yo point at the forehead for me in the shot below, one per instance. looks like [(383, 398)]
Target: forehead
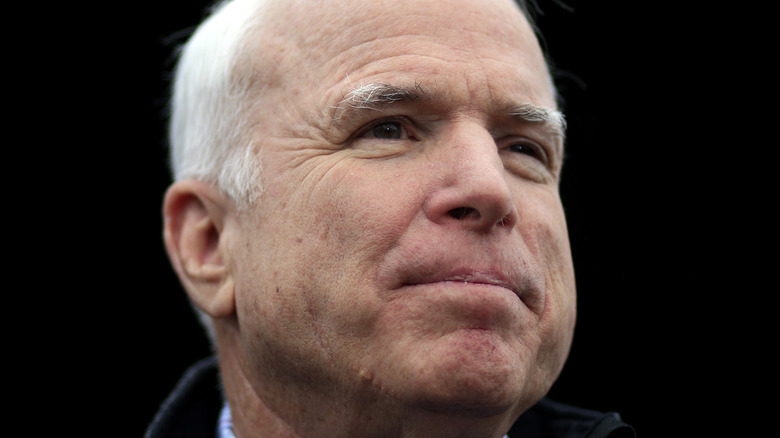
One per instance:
[(337, 43), (308, 20)]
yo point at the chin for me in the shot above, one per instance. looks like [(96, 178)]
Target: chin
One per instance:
[(475, 399), (475, 373)]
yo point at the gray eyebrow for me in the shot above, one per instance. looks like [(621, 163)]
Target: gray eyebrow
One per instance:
[(531, 113), (376, 95)]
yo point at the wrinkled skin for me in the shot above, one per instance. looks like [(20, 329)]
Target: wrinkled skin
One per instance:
[(403, 265)]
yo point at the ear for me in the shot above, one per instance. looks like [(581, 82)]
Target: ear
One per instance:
[(195, 215)]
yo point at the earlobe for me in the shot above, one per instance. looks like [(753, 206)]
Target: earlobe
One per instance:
[(195, 216)]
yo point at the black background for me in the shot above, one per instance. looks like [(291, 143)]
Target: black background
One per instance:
[(652, 189)]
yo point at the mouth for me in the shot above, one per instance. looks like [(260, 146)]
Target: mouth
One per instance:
[(525, 288), (483, 299), (486, 277), (489, 278)]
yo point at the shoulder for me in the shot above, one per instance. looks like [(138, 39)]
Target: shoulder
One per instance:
[(192, 408), (549, 419)]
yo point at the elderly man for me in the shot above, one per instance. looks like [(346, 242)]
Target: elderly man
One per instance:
[(366, 214)]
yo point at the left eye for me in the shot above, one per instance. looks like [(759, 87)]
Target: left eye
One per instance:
[(524, 149), (386, 130)]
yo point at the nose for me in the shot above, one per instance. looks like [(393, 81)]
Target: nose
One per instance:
[(473, 191)]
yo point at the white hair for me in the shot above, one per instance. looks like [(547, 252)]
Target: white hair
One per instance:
[(209, 135), (210, 105)]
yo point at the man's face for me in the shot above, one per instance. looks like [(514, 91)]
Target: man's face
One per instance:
[(408, 245)]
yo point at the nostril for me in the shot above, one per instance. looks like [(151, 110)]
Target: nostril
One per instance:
[(463, 212)]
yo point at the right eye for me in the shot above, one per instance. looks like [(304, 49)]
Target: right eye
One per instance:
[(386, 130)]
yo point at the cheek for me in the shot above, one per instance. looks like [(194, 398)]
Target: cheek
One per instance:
[(547, 239), (356, 220), (543, 229), (318, 256), (363, 211)]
